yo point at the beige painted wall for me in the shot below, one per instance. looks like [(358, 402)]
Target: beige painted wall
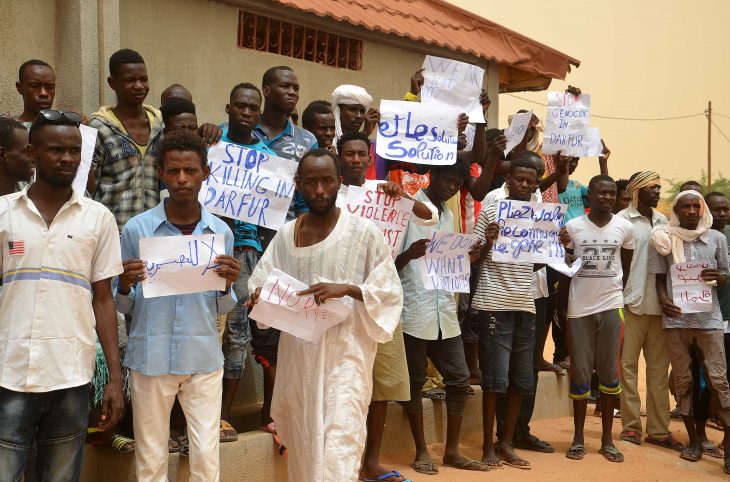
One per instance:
[(28, 31)]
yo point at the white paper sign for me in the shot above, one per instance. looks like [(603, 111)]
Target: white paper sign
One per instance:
[(88, 143), (567, 126), (517, 130), (248, 185), (279, 307), (178, 265), (529, 232), (391, 214), (453, 84), (446, 265), (689, 292), (417, 132), (595, 146), (568, 271)]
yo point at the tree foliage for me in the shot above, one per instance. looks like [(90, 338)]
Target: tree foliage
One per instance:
[(719, 183)]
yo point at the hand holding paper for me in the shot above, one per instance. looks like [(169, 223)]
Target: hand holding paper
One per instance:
[(690, 291)]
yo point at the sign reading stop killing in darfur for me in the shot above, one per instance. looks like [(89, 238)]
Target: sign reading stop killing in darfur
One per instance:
[(453, 84), (567, 126), (529, 232), (248, 185), (417, 132), (389, 213)]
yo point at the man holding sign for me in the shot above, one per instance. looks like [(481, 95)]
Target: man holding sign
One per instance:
[(322, 392), (688, 243), (173, 342)]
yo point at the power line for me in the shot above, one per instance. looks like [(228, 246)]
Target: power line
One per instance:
[(720, 130), (721, 115), (650, 119)]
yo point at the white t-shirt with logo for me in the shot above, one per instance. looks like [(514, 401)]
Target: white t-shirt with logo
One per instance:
[(598, 286)]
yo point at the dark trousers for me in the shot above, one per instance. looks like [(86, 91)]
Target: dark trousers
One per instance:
[(527, 407), (448, 358), (558, 331)]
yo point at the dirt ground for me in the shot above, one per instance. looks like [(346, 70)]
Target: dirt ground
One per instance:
[(646, 462)]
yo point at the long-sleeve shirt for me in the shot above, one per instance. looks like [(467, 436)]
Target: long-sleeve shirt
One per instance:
[(176, 334)]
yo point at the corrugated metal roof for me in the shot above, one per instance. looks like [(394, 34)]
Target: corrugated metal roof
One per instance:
[(439, 23)]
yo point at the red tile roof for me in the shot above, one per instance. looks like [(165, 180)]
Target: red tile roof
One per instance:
[(437, 22)]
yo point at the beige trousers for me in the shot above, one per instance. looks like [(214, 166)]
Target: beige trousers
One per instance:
[(152, 399), (644, 332)]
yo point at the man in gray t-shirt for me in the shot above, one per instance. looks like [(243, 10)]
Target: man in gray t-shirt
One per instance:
[(688, 238)]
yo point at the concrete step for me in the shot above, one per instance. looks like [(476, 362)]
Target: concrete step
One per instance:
[(253, 457)]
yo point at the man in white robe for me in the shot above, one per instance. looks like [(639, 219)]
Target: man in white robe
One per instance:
[(323, 390)]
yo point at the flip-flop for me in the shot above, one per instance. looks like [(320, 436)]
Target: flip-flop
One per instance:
[(691, 453), (172, 446), (631, 436), (117, 443), (611, 453), (494, 463), (669, 442), (428, 468), (576, 452), (384, 477), (482, 467), (513, 462), (435, 394), (228, 433), (711, 450)]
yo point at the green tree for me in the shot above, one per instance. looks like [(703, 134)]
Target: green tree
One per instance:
[(719, 183)]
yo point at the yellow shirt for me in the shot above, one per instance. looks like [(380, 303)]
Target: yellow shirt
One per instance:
[(141, 147)]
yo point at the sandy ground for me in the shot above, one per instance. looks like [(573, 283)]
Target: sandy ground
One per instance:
[(645, 462)]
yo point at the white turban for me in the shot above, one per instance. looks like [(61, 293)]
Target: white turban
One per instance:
[(348, 95), (671, 238)]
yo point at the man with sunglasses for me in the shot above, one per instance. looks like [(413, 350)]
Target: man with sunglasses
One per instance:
[(58, 254)]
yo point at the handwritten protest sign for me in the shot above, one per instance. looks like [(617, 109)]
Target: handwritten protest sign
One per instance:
[(517, 130), (446, 265), (280, 307), (391, 214), (567, 124), (689, 292), (248, 185), (88, 143), (178, 265), (451, 83), (417, 132), (528, 232)]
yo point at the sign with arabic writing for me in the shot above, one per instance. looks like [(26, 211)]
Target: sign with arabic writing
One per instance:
[(181, 264), (689, 292)]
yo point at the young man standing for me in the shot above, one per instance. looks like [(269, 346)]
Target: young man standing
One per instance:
[(431, 327), (16, 164), (60, 252), (173, 342), (643, 323), (37, 85), (322, 393), (605, 243), (507, 324), (124, 177), (318, 119), (689, 238)]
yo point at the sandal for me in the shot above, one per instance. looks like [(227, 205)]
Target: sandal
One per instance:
[(492, 463), (428, 468), (533, 444), (711, 450), (435, 394), (172, 446), (631, 436), (516, 462), (119, 442), (668, 442), (474, 465), (691, 453), (384, 477), (611, 453), (184, 443), (271, 428), (576, 452), (228, 433)]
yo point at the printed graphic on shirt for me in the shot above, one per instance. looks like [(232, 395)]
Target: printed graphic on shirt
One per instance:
[(16, 248), (599, 258)]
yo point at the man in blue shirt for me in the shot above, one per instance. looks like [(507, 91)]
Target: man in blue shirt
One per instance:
[(173, 342), (244, 111)]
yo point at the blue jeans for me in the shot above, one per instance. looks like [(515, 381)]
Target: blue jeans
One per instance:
[(238, 333), (57, 420)]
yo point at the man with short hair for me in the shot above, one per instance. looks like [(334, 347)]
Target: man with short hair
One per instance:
[(605, 243), (318, 119), (179, 114), (174, 348), (688, 237), (691, 186), (59, 254), (320, 400), (623, 198), (37, 85), (16, 164), (643, 323), (431, 326), (175, 91)]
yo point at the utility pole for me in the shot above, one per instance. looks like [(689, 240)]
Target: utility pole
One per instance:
[(709, 145)]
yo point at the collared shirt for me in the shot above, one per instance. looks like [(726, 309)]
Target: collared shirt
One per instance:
[(291, 143), (176, 334), (426, 312), (246, 234), (127, 180), (47, 324), (640, 292), (711, 248)]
